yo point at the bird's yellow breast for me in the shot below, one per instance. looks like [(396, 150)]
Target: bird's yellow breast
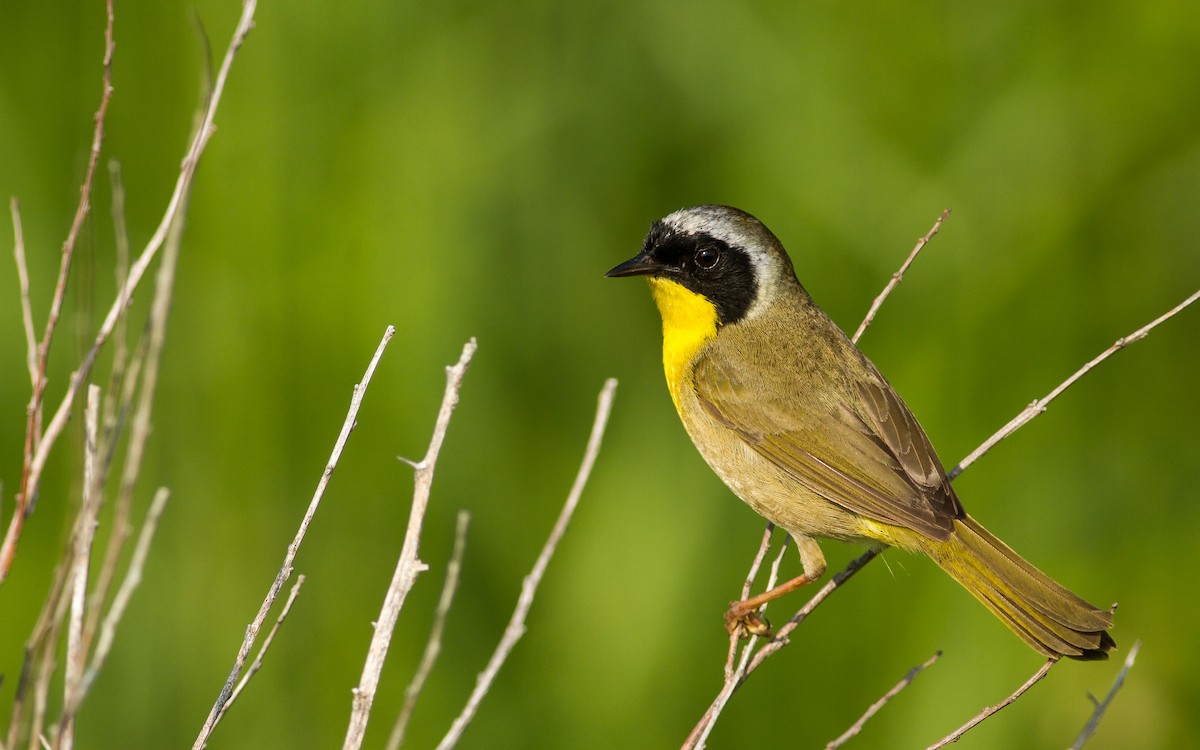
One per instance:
[(689, 320)]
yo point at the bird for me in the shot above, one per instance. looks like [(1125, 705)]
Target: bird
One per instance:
[(801, 426)]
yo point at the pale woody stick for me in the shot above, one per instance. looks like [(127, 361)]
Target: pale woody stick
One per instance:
[(516, 624), (409, 566), (285, 571)]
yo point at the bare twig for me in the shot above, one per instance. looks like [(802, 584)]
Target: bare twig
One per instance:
[(781, 635), (133, 577), (735, 674), (874, 707), (1039, 405), (409, 566), (81, 554), (285, 571), (23, 282), (121, 254), (897, 277), (516, 624), (148, 361), (44, 632), (759, 556), (696, 738), (33, 437), (31, 475), (433, 646), (1101, 706), (985, 713), (262, 651)]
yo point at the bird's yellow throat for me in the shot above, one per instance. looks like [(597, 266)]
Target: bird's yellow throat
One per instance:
[(689, 320)]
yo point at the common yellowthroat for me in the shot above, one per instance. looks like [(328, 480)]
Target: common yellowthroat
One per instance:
[(803, 428)]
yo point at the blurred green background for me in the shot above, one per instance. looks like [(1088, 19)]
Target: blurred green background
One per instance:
[(471, 169)]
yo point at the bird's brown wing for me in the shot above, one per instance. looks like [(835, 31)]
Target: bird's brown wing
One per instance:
[(879, 465)]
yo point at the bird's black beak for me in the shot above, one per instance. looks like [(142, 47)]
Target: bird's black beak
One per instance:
[(640, 265)]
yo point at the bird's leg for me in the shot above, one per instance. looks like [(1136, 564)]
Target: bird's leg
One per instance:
[(742, 617)]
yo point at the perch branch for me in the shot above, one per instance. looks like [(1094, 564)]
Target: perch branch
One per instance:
[(735, 681)]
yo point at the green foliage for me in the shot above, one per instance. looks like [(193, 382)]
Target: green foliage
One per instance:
[(472, 169)]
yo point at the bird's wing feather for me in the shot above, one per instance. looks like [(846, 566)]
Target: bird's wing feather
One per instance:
[(880, 465)]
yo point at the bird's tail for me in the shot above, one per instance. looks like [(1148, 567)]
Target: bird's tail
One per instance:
[(1046, 615)]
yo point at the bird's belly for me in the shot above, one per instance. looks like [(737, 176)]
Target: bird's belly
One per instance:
[(773, 493)]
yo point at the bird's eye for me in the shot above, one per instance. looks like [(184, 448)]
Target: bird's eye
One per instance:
[(707, 257)]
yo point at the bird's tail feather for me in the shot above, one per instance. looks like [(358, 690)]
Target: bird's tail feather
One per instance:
[(1046, 615)]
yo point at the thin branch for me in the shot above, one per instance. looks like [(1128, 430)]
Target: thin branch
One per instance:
[(32, 474), (734, 675), (133, 577), (32, 433), (874, 707), (516, 624), (700, 732), (31, 345), (1090, 728), (149, 359), (763, 547), (957, 734), (897, 277), (409, 566), (285, 571), (262, 651), (44, 631), (120, 359), (81, 554), (781, 636), (1039, 405), (433, 646)]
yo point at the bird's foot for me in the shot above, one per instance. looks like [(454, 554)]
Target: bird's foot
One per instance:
[(743, 621)]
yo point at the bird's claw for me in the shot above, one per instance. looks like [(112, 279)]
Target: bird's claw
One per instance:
[(744, 622)]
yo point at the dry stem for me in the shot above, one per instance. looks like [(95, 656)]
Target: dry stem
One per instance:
[(985, 713), (1101, 706), (897, 277), (516, 624), (23, 282), (409, 566), (285, 571), (1039, 405), (133, 577), (433, 646), (38, 447), (33, 437), (857, 726), (81, 553), (262, 651)]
